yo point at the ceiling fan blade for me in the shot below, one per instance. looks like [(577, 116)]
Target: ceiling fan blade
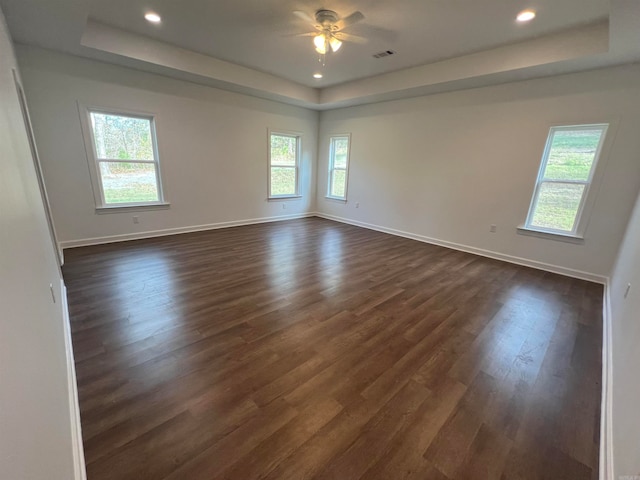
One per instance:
[(308, 34), (304, 16), (355, 17), (350, 38)]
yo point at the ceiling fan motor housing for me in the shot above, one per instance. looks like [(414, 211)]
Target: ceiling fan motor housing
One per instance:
[(326, 18)]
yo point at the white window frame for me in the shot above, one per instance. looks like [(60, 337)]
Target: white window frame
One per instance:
[(94, 161), (298, 137), (332, 167), (580, 219)]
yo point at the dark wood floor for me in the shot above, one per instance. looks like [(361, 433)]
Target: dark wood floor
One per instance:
[(313, 349)]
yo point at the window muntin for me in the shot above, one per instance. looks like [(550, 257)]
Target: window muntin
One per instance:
[(284, 160), (338, 166), (126, 158), (566, 171)]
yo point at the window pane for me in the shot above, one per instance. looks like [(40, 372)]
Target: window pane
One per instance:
[(572, 154), (557, 205), (283, 181), (340, 150), (129, 182), (338, 183), (122, 138), (283, 150)]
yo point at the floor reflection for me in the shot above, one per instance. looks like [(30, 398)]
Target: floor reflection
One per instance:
[(282, 271), (330, 258), (143, 282)]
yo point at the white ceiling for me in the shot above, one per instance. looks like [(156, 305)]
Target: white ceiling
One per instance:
[(248, 45), (256, 33)]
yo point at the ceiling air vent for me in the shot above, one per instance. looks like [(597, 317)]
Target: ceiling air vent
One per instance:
[(386, 53)]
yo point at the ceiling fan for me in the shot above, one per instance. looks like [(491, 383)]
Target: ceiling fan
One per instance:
[(329, 35)]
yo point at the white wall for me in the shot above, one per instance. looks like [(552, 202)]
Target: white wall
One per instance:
[(625, 323), (448, 166), (35, 423), (212, 146)]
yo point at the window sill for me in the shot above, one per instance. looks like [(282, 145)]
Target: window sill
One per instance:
[(284, 197), (336, 199), (561, 237), (132, 208)]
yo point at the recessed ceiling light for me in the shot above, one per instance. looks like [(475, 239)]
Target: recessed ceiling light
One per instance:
[(153, 17), (526, 15), (317, 75)]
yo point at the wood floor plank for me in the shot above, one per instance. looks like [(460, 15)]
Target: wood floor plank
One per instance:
[(210, 462), (260, 461), (314, 349), (376, 434), (452, 445), (403, 459)]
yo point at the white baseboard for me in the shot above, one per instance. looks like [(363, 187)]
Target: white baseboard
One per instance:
[(569, 272), (80, 472), (606, 412), (174, 231)]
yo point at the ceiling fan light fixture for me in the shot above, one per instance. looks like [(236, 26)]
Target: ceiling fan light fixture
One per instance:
[(328, 36), (335, 44), (320, 41)]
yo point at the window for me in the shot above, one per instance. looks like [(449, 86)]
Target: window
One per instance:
[(338, 166), (126, 170), (284, 160), (569, 160)]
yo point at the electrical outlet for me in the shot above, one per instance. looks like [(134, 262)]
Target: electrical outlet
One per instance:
[(284, 206), (136, 219), (357, 204), (493, 228)]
